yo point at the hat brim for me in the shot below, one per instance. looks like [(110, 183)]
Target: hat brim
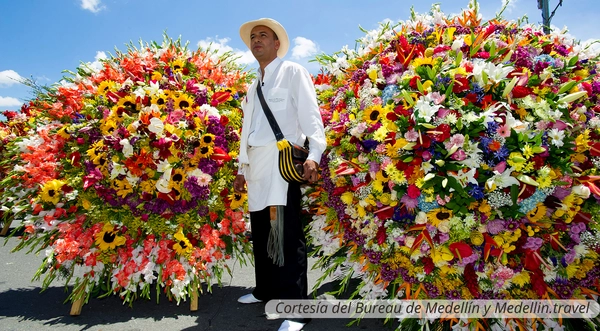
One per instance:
[(284, 42)]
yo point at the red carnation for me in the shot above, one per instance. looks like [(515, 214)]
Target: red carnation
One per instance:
[(471, 280), (428, 265), (521, 91)]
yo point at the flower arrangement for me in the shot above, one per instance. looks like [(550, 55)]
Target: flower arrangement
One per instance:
[(463, 163), (122, 172)]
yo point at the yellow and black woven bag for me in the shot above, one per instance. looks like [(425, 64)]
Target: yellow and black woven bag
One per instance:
[(291, 156)]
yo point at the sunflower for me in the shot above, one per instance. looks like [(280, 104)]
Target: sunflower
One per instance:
[(373, 114), (148, 186), (537, 213), (51, 191), (122, 186), (436, 216), (160, 100), (382, 176), (177, 178), (237, 200), (207, 139), (184, 102), (204, 151), (178, 65), (96, 149), (423, 61), (106, 86), (108, 127), (108, 238), (100, 160), (182, 245), (127, 102)]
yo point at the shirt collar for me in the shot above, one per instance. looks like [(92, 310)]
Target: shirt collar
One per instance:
[(270, 68)]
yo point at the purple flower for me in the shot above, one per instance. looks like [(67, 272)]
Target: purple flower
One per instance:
[(533, 243), (494, 227)]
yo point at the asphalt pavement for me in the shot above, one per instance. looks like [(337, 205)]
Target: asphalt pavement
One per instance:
[(24, 307)]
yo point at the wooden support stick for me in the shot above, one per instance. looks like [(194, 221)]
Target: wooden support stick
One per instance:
[(76, 306), (6, 225), (194, 300), (5, 228)]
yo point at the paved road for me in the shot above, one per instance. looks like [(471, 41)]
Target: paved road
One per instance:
[(23, 307)]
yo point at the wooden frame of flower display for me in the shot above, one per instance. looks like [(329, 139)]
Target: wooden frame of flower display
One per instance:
[(462, 163), (123, 171)]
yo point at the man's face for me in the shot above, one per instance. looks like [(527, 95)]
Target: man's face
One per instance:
[(263, 44)]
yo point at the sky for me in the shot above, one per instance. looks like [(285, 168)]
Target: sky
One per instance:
[(41, 38)]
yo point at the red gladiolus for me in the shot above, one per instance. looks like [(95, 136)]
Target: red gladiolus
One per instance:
[(381, 235)]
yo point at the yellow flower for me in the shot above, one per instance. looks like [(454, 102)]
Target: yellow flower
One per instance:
[(156, 75), (122, 186), (347, 198), (184, 102), (86, 204), (51, 191), (380, 134), (582, 141), (527, 151), (204, 151), (438, 215), (182, 245), (377, 186), (178, 177), (108, 238), (521, 279), (423, 61), (373, 114), (396, 175), (476, 238), (127, 102), (382, 176), (159, 99), (148, 186), (108, 127), (207, 139), (106, 86), (237, 200), (516, 160), (178, 65), (537, 213)]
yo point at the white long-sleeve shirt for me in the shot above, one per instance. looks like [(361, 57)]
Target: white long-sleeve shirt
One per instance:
[(289, 91)]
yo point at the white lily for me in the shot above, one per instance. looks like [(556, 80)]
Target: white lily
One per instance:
[(117, 169), (156, 126), (127, 148), (502, 180)]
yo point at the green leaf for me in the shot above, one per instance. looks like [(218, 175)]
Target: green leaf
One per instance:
[(514, 193), (573, 61), (459, 56), (567, 87)]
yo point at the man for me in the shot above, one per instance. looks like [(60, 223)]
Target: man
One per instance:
[(289, 92)]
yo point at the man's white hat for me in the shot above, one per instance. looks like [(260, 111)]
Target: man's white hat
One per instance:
[(284, 42)]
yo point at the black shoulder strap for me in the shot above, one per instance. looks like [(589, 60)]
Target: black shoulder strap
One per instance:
[(272, 122)]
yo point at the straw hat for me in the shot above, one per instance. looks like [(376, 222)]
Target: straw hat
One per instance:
[(284, 42)]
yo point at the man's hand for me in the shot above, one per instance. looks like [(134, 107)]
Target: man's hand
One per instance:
[(239, 184), (311, 171)]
